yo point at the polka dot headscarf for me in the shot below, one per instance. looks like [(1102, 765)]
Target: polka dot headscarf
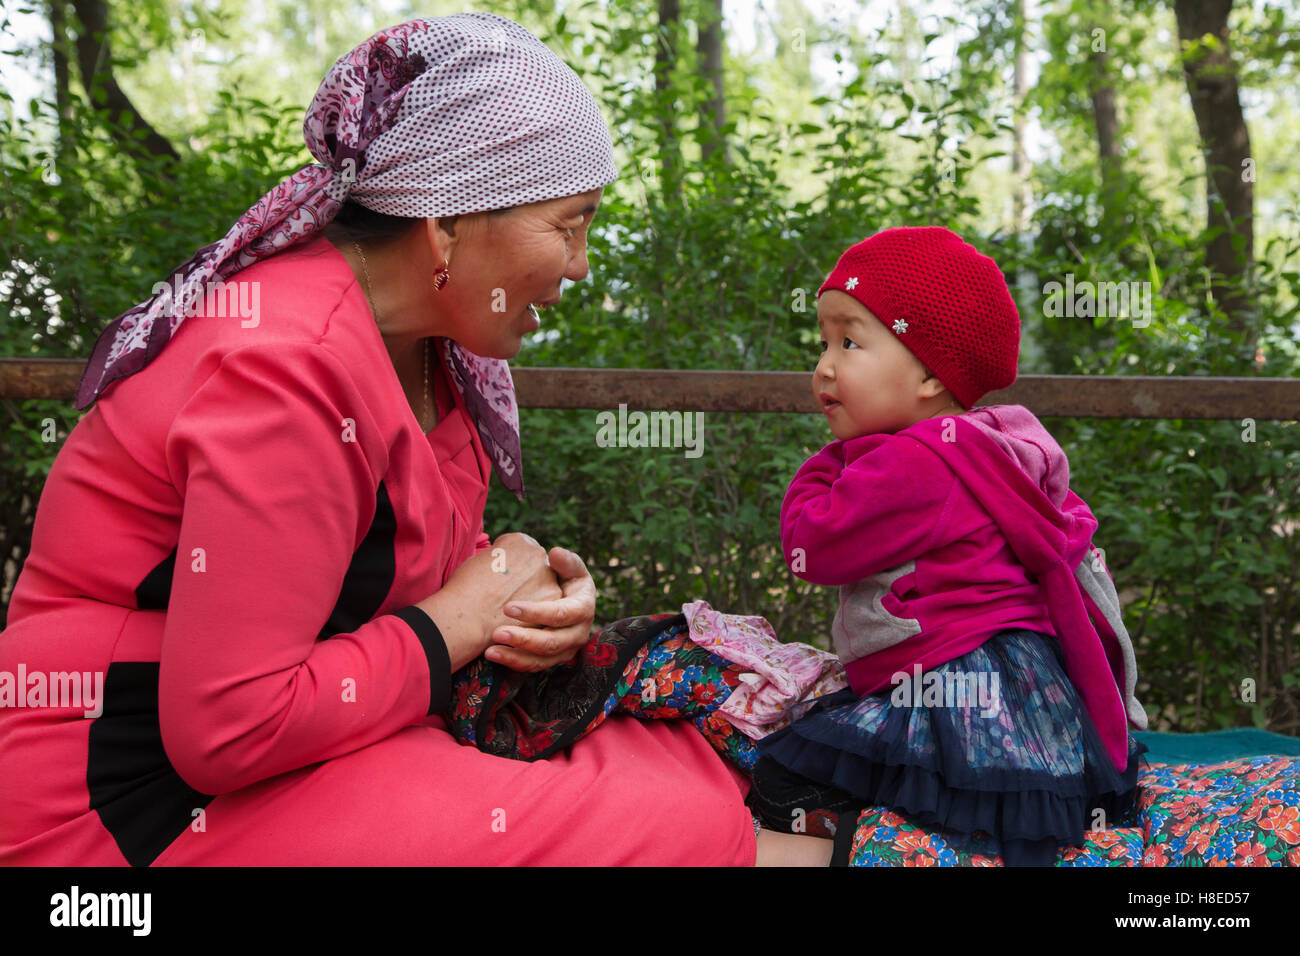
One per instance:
[(441, 116)]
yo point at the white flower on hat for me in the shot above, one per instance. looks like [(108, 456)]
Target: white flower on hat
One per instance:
[(900, 326), (852, 283)]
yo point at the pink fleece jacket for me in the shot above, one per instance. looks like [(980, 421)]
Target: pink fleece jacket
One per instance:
[(948, 531)]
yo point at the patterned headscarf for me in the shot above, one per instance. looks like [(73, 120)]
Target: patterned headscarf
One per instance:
[(440, 116)]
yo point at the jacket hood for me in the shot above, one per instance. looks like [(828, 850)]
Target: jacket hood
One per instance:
[(1021, 478), (1018, 432)]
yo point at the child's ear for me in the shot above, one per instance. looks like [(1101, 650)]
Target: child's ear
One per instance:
[(930, 386)]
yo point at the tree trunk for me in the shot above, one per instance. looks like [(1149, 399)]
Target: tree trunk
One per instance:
[(58, 10), (1106, 120), (1025, 279), (713, 111), (1101, 89), (670, 159), (1230, 192), (1019, 161), (95, 60)]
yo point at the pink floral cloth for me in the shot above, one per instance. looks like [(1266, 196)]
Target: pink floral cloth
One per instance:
[(784, 679)]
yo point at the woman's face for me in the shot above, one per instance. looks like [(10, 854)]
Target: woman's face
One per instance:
[(502, 263)]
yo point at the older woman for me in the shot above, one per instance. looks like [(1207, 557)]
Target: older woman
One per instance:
[(267, 535)]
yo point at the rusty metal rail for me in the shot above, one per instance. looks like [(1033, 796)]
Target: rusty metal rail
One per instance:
[(1073, 396)]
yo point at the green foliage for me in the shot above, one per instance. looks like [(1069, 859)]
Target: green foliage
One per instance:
[(88, 230), (722, 275), (714, 264)]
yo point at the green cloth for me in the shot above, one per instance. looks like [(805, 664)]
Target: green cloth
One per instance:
[(1216, 746)]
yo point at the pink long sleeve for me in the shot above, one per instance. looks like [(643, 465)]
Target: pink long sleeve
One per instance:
[(860, 506), (276, 499), (231, 660)]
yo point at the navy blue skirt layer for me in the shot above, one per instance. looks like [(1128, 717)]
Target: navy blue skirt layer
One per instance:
[(995, 741)]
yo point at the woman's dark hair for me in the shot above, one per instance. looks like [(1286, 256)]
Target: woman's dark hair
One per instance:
[(355, 223)]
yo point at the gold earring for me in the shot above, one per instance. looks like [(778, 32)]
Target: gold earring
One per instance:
[(441, 275)]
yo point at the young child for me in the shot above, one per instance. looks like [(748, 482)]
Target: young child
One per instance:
[(990, 676)]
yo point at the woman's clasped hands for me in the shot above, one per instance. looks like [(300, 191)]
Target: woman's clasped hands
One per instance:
[(516, 604)]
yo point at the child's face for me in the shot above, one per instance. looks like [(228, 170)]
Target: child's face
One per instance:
[(866, 381)]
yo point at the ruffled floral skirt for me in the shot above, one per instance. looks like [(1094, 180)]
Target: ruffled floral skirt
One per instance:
[(993, 743)]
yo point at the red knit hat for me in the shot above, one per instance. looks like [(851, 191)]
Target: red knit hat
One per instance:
[(943, 299)]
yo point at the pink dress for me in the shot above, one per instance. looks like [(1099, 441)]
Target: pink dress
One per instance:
[(230, 544)]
